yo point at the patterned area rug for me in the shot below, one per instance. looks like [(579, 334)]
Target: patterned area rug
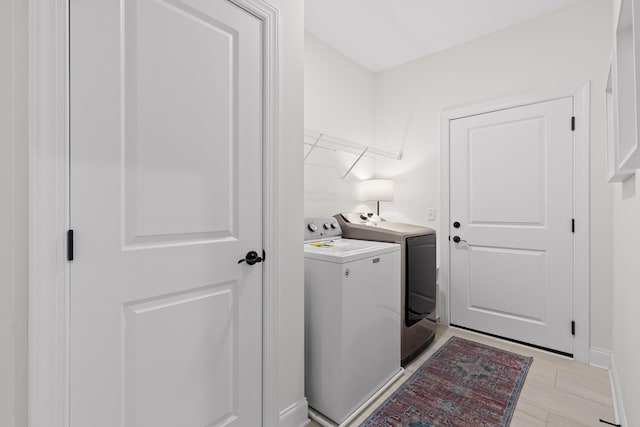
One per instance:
[(463, 384)]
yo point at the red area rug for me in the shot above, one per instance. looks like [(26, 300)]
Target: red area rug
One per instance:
[(464, 383)]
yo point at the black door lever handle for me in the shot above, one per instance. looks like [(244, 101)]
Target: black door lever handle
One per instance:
[(251, 258)]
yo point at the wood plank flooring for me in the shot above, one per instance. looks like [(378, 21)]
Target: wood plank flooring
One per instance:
[(557, 392)]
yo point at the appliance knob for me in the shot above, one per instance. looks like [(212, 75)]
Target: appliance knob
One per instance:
[(363, 216), (312, 227), (333, 226), (325, 226)]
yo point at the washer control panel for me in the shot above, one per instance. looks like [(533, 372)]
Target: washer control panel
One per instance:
[(321, 228)]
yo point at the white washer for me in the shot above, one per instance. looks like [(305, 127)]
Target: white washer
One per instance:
[(352, 320)]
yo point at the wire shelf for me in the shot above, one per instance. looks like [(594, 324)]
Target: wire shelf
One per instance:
[(323, 141)]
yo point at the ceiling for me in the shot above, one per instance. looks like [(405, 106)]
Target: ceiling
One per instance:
[(382, 34)]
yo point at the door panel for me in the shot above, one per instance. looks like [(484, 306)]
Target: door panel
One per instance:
[(166, 196), (180, 127), (512, 192), (493, 290), (520, 147), (196, 329)]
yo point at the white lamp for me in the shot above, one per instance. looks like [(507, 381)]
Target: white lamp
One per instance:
[(380, 190)]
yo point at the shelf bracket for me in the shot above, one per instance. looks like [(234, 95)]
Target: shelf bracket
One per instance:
[(315, 144), (355, 163)]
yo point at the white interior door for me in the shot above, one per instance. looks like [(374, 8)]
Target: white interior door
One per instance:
[(511, 191), (166, 197)]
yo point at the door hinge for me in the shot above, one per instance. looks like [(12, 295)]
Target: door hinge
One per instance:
[(573, 225), (69, 245), (264, 256), (573, 327), (449, 238), (573, 123)]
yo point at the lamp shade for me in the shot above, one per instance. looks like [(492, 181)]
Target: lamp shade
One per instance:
[(377, 189)]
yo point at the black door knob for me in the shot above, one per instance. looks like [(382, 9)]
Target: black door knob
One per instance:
[(251, 258), (456, 224), (456, 239)]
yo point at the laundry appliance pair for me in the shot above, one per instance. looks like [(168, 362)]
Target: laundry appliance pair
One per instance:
[(418, 273), (369, 293)]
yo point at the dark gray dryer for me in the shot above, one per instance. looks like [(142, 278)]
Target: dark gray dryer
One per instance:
[(418, 276)]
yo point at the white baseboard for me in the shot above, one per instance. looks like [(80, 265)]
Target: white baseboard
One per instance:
[(599, 358), (618, 406), (296, 415)]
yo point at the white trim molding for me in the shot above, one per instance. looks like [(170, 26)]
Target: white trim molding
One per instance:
[(581, 245), (47, 365), (599, 358), (270, 324), (48, 388), (616, 393), (295, 415), (444, 279), (581, 304)]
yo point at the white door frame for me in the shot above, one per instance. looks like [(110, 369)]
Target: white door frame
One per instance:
[(48, 364), (581, 277)]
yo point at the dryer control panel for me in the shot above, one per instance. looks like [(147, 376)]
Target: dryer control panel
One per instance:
[(365, 218), (321, 229)]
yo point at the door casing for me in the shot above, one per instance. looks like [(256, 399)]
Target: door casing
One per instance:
[(48, 364), (581, 303)]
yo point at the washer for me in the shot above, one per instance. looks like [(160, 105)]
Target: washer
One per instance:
[(352, 321)]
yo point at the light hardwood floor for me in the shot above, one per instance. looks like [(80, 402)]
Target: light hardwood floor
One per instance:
[(557, 392)]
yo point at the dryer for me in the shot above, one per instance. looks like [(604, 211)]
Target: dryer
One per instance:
[(418, 276), (352, 321)]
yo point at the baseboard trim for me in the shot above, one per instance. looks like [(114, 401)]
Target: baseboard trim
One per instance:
[(296, 415), (616, 393), (599, 358)]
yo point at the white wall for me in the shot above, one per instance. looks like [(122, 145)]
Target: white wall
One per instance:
[(290, 171), (339, 99), (13, 208), (563, 48), (626, 289), (626, 293)]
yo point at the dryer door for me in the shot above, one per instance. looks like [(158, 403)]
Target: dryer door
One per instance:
[(421, 278)]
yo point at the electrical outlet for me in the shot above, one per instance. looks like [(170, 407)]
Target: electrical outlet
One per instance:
[(431, 214)]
